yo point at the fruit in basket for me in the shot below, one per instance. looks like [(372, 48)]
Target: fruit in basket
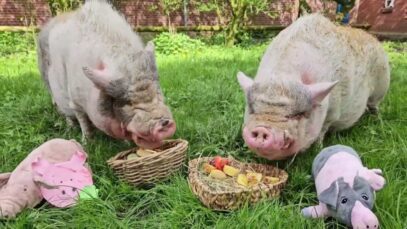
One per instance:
[(207, 168), (242, 180), (253, 178), (132, 156), (230, 170), (144, 152), (217, 174), (270, 180), (219, 162)]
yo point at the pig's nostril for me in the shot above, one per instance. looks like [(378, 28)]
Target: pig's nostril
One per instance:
[(265, 136), (367, 226), (255, 134), (165, 123)]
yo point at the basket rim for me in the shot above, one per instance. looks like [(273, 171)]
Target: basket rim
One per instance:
[(116, 160), (193, 176)]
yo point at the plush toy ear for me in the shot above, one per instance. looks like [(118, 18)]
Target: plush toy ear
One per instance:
[(244, 81), (330, 195), (76, 163), (78, 158), (39, 166), (4, 178), (40, 180)]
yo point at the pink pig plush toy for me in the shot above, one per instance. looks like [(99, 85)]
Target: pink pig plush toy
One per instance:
[(345, 188), (60, 183), (24, 188)]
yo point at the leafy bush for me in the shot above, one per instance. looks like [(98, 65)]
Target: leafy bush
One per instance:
[(167, 43), (247, 38), (216, 38), (60, 6), (16, 42)]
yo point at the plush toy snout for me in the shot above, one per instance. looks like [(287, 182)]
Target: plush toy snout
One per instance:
[(362, 217)]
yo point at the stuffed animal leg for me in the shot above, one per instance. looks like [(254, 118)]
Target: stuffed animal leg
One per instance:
[(18, 190)]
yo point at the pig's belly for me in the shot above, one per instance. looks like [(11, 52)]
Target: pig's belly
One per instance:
[(61, 97), (341, 164), (352, 110)]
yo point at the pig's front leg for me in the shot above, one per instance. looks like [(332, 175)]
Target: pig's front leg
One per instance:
[(317, 211), (84, 122), (321, 136)]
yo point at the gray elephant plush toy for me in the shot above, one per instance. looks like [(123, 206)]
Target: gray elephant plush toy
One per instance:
[(345, 188)]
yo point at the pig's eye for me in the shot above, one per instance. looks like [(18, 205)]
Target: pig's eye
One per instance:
[(344, 200), (297, 116), (365, 197)]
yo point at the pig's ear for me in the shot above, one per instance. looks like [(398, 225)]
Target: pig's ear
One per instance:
[(330, 195), (150, 47), (99, 76), (244, 81), (320, 90)]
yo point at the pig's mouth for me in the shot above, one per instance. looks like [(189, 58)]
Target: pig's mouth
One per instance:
[(154, 138), (269, 143), (147, 143)]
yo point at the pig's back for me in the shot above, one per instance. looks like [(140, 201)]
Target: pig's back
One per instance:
[(322, 52), (93, 34), (315, 46)]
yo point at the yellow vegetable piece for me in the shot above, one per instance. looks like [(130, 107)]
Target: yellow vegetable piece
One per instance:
[(208, 168), (217, 174), (131, 156), (255, 175), (242, 180), (230, 170), (145, 152), (270, 180)]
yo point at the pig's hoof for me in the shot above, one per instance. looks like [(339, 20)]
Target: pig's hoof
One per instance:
[(70, 122), (320, 141), (373, 110), (86, 138)]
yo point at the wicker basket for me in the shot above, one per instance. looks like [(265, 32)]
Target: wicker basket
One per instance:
[(152, 168), (227, 198)]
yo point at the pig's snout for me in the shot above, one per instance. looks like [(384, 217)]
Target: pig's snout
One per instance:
[(362, 217), (163, 129), (264, 139)]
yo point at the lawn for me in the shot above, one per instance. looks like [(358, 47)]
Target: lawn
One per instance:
[(207, 103)]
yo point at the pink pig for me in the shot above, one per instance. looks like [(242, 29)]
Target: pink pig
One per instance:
[(18, 189), (60, 183)]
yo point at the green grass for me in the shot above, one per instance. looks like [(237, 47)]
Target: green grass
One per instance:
[(207, 103)]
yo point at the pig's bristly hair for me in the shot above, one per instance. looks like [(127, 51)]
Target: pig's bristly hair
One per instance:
[(100, 17), (273, 93), (118, 40)]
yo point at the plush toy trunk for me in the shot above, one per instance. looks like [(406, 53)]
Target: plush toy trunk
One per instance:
[(153, 168), (224, 198)]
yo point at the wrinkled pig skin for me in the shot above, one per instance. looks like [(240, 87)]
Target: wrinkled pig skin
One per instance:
[(314, 77), (18, 189), (99, 74)]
